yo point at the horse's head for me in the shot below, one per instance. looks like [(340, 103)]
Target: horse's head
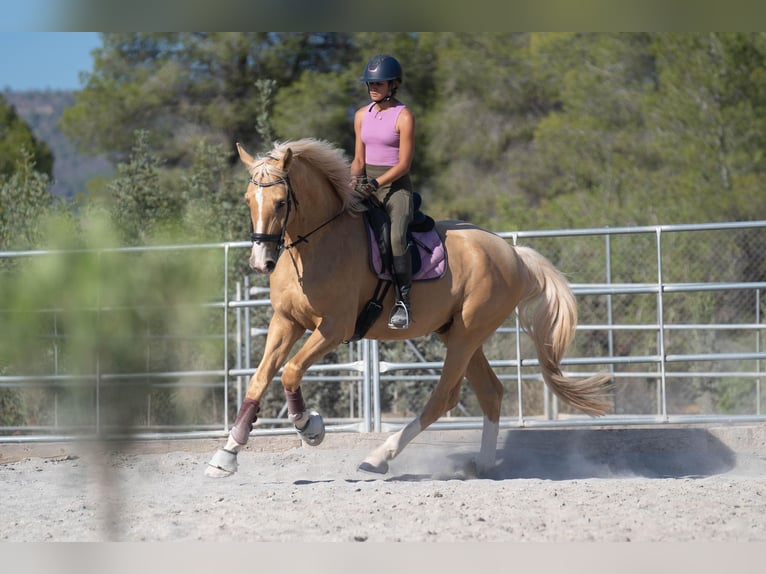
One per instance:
[(270, 199)]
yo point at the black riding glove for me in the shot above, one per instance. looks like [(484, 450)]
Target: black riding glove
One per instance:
[(369, 187)]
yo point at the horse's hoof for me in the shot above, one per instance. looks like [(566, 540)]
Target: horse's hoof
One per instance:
[(223, 464), (215, 472), (381, 468), (486, 472), (480, 467), (313, 433)]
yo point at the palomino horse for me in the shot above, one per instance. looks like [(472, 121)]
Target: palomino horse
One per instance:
[(309, 237)]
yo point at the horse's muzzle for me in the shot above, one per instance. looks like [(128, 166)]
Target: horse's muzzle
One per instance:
[(263, 258), (266, 268)]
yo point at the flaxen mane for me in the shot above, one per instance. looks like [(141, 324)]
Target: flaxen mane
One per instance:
[(321, 156)]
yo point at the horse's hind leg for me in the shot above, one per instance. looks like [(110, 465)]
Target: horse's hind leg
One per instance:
[(489, 392), (444, 396)]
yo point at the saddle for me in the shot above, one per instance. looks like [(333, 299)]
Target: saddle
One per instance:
[(429, 256)]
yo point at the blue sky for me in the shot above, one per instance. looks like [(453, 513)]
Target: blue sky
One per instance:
[(45, 60)]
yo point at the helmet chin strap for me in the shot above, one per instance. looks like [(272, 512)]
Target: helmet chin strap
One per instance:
[(375, 102), (380, 101)]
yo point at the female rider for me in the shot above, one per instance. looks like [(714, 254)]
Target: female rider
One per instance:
[(385, 137)]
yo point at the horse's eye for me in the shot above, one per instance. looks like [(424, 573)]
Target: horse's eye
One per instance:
[(281, 204)]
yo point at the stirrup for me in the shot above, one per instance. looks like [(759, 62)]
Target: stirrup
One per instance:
[(399, 307)]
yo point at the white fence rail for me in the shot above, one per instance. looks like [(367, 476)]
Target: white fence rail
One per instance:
[(655, 366)]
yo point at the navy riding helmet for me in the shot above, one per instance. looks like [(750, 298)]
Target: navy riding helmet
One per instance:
[(381, 68)]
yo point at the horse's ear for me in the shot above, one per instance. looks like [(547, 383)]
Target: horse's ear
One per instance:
[(287, 158), (246, 158)]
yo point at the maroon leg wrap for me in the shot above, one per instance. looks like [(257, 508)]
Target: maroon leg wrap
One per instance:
[(243, 424), (295, 405)]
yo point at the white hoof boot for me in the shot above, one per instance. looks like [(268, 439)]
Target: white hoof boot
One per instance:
[(313, 433), (373, 467), (223, 464)]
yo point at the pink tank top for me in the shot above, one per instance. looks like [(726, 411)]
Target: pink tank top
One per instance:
[(379, 135)]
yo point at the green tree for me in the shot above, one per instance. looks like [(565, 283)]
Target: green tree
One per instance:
[(212, 196), (590, 153), (185, 86), (708, 120), (315, 105), (514, 130), (136, 199), (24, 198), (479, 122), (17, 140)]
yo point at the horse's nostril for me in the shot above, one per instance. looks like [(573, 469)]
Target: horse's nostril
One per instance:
[(270, 266)]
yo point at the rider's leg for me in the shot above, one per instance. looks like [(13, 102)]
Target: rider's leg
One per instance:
[(402, 269), (399, 205)]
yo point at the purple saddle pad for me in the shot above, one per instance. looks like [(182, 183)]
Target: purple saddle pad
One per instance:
[(431, 255)]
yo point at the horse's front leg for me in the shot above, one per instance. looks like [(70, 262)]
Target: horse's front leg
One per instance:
[(309, 424), (283, 334)]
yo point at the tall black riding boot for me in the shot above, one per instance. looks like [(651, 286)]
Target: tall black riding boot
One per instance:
[(402, 268)]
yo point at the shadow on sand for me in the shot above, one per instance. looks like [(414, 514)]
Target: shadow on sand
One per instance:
[(569, 454)]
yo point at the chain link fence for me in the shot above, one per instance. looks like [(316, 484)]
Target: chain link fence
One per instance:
[(674, 312)]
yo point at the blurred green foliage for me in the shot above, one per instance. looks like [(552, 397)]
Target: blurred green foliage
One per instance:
[(88, 310)]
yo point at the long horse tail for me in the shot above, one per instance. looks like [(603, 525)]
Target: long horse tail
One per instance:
[(548, 314)]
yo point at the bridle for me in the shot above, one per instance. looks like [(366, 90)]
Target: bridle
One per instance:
[(279, 238)]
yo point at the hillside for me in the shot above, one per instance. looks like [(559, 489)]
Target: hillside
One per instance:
[(42, 111)]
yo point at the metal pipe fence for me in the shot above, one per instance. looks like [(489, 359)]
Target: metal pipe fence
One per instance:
[(678, 324)]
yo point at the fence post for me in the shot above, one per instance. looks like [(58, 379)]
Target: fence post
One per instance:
[(98, 356), (758, 350), (248, 341), (520, 417), (663, 405), (609, 299), (376, 385), (367, 386), (239, 343), (55, 368), (226, 337)]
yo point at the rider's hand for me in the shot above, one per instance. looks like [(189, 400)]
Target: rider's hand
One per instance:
[(357, 181), (369, 187)]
